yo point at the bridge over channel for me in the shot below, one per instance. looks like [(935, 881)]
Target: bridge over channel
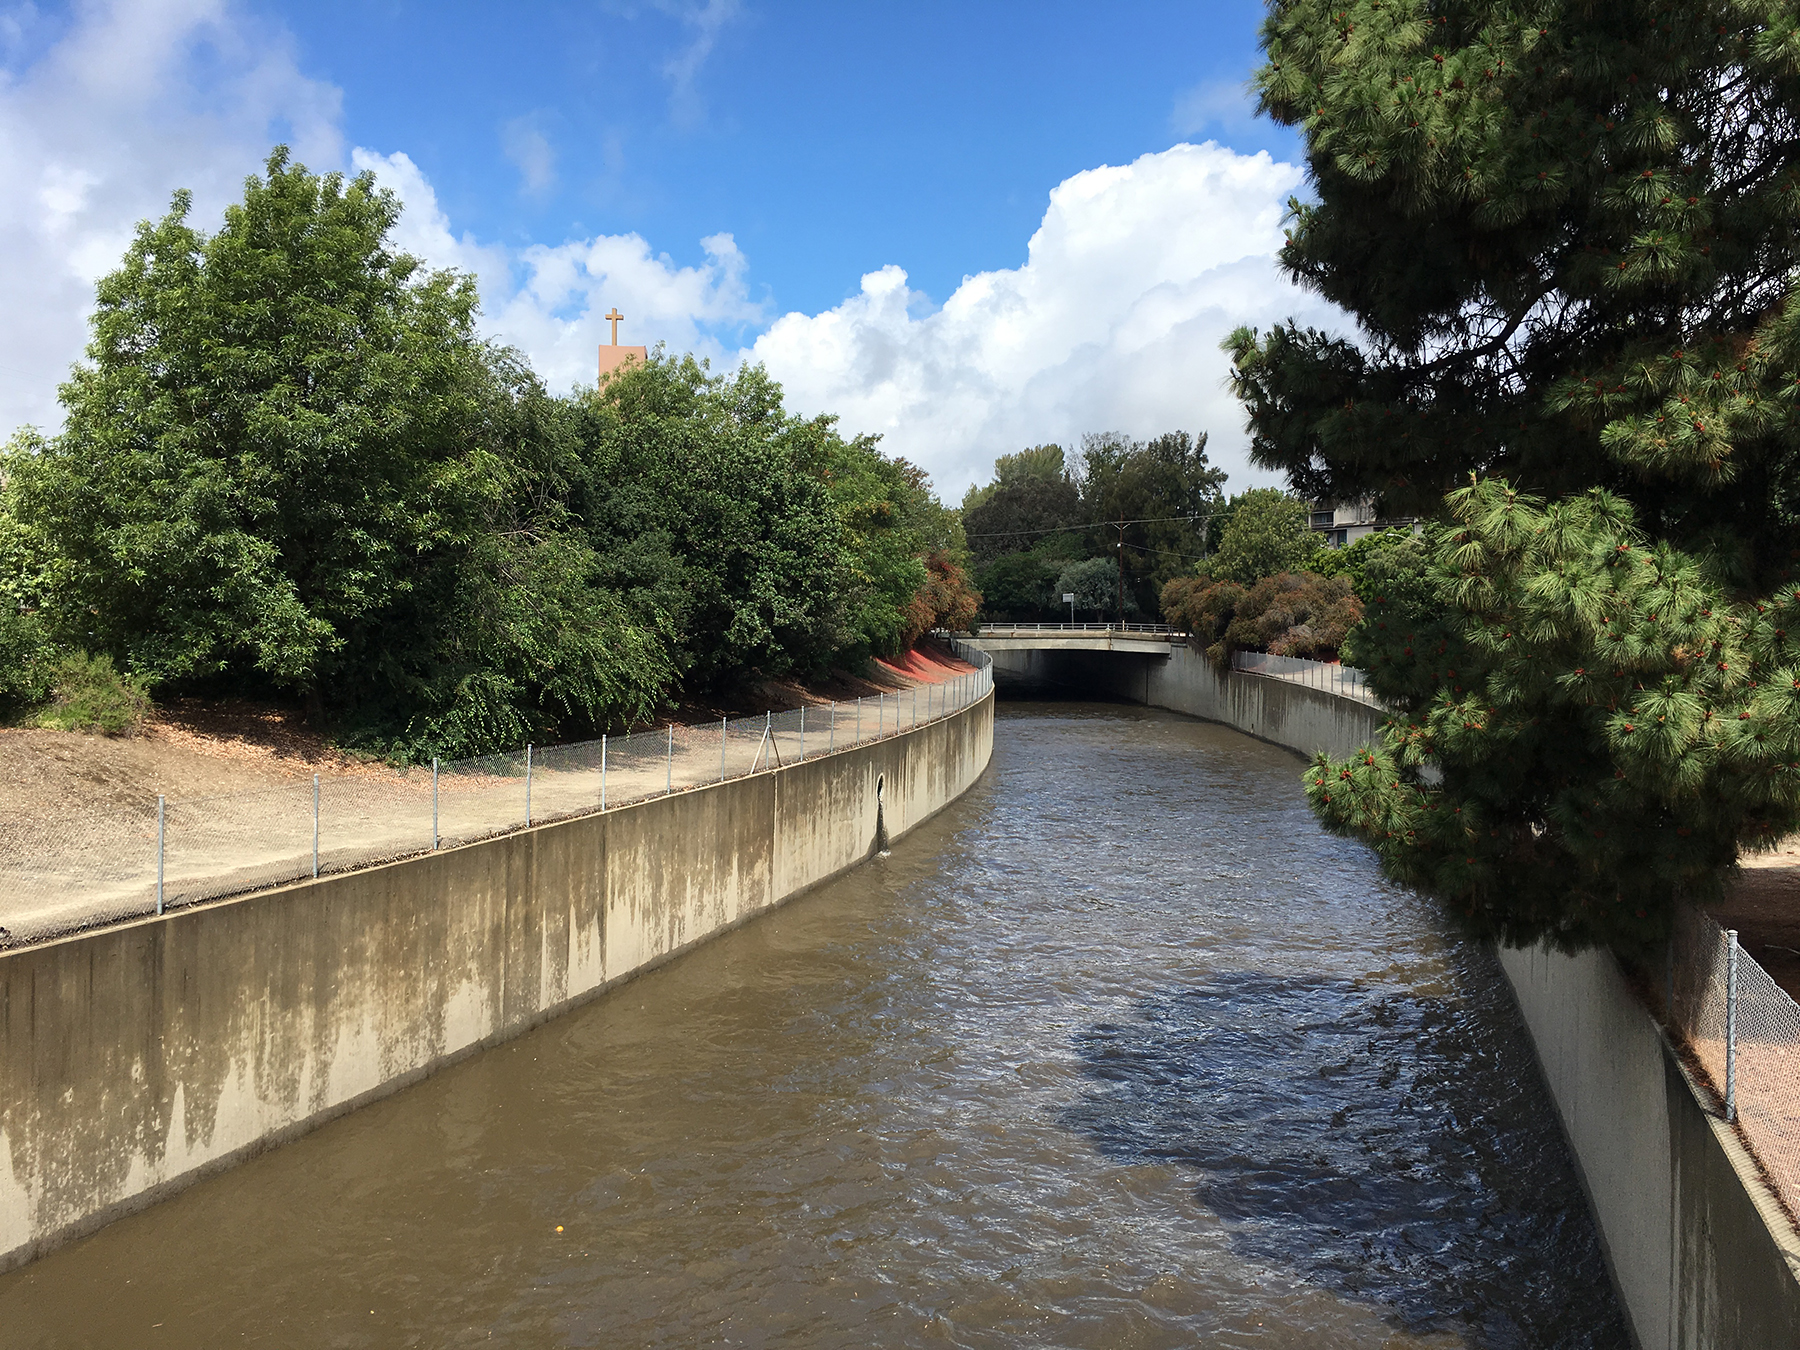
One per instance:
[(1127, 659)]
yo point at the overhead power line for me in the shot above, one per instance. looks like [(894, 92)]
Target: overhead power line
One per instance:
[(1091, 525)]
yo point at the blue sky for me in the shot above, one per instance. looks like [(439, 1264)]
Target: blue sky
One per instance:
[(964, 227), (829, 139)]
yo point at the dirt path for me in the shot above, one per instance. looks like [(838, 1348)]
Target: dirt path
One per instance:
[(79, 825)]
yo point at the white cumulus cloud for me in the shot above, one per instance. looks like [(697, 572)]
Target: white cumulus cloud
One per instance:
[(547, 300), (1114, 322), (134, 99)]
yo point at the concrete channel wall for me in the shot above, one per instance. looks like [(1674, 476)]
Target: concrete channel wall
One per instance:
[(1700, 1251), (136, 1059), (1284, 713)]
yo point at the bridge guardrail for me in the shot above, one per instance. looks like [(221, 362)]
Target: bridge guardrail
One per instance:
[(1155, 629), (64, 871)]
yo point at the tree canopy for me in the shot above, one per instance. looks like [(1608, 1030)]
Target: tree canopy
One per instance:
[(1267, 533), (1151, 500), (1032, 496), (1611, 726), (292, 467), (1568, 236)]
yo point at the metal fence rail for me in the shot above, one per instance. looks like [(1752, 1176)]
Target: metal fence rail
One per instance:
[(1741, 1032), (1344, 681), (71, 871)]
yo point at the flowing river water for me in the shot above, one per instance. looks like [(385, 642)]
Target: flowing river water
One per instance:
[(1118, 1051)]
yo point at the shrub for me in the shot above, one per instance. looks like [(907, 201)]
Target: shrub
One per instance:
[(1296, 614), (1288, 614), (88, 694), (25, 661), (1353, 559), (946, 600)]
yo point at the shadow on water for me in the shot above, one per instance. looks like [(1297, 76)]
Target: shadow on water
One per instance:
[(1370, 1140)]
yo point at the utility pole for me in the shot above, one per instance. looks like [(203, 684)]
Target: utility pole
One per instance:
[(1121, 569)]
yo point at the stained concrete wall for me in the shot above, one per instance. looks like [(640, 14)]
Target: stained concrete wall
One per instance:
[(1700, 1251), (1703, 1257), (137, 1059)]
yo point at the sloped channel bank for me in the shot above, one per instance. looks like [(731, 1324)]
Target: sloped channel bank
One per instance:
[(136, 1059), (1701, 1254)]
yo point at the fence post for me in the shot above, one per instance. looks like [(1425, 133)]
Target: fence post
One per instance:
[(803, 733), (669, 773), (160, 818), (1731, 992), (528, 784), (603, 771), (724, 731), (315, 825), (858, 732), (880, 713), (434, 810)]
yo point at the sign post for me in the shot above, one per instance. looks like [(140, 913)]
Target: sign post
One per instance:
[(1069, 600)]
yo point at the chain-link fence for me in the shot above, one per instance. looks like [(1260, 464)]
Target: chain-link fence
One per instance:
[(65, 872), (1740, 1032), (1344, 681)]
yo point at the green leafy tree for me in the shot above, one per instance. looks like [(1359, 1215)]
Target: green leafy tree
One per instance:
[(1022, 585), (1046, 463), (290, 466), (1095, 585), (1032, 497), (278, 421), (1267, 534), (1353, 559), (708, 504), (1164, 489)]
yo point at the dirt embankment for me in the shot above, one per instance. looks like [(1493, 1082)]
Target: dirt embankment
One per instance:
[(191, 748), (1763, 904)]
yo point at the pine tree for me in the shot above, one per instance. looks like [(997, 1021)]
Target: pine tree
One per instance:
[(1569, 234), (1606, 726)]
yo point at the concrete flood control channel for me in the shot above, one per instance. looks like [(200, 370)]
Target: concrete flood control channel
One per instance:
[(138, 1058), (1116, 1050)]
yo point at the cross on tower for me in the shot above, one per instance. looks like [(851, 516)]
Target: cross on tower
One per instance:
[(615, 316)]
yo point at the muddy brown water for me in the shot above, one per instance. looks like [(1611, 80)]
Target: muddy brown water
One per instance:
[(1119, 1051)]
